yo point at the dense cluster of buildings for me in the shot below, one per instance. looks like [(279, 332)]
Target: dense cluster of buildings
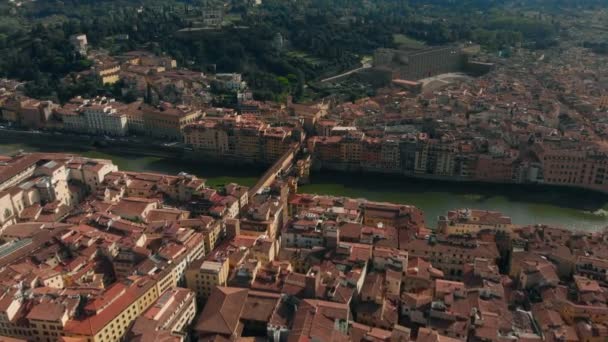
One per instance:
[(527, 121), (165, 98), (241, 137), (157, 78), (92, 253), (105, 116)]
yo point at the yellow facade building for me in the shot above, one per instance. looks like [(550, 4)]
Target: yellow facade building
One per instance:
[(168, 121), (203, 276)]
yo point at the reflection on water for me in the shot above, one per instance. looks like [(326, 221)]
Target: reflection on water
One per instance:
[(215, 174), (570, 208)]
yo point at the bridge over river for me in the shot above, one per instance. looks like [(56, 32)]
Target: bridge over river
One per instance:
[(526, 205), (281, 166)]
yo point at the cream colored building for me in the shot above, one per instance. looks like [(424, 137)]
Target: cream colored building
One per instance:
[(54, 184), (203, 276), (11, 302), (17, 170), (472, 221), (102, 118), (168, 121), (108, 72), (196, 247), (74, 122), (13, 202), (47, 319), (109, 319), (8, 215), (92, 172), (208, 138), (168, 316)]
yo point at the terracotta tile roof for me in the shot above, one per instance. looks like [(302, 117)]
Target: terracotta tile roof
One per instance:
[(416, 300), (428, 335), (445, 287), (91, 325), (260, 306), (584, 284), (318, 320), (547, 318), (351, 232), (23, 230), (164, 215), (47, 311), (373, 286), (222, 312), (17, 165), (132, 206)]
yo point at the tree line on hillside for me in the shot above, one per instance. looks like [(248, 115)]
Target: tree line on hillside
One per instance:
[(336, 32)]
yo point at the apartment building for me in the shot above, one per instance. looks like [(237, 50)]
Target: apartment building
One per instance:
[(53, 183), (241, 137), (434, 156), (390, 155), (11, 305), (498, 169), (472, 221), (208, 137), (101, 319), (135, 117), (100, 115), (90, 172), (167, 121), (569, 165), (202, 276), (303, 234), (11, 105), (592, 268), (417, 155), (103, 118), (399, 216), (72, 120), (108, 70), (34, 113), (47, 320), (212, 230), (277, 140), (450, 255), (571, 312), (108, 317), (351, 149), (167, 318)]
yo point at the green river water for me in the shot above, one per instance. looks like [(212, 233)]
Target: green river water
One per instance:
[(524, 204)]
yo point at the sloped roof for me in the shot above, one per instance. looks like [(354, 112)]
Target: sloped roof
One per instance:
[(222, 311)]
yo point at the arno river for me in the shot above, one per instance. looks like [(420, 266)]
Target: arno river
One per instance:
[(524, 204)]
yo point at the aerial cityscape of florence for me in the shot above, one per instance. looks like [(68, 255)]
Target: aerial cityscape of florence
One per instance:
[(303, 170)]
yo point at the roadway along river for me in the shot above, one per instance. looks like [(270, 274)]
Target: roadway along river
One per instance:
[(526, 205)]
